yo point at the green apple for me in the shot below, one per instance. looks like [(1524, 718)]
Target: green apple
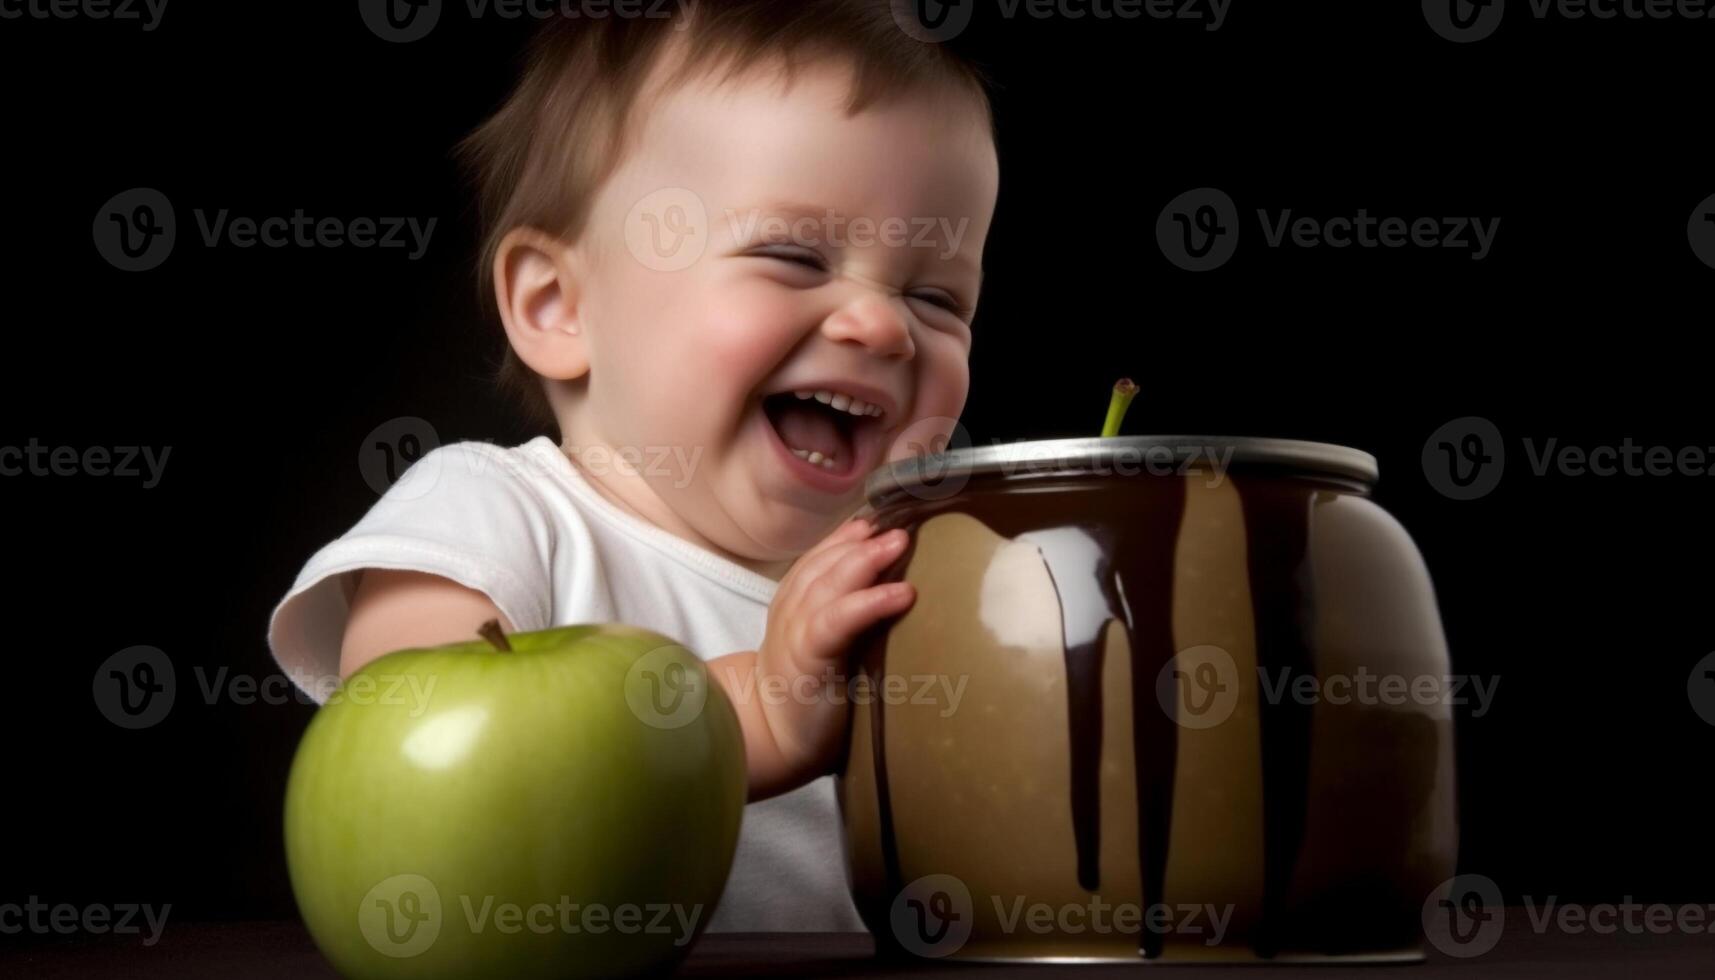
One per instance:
[(561, 803)]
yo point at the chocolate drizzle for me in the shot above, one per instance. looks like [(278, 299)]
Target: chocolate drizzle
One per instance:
[(1283, 609), (873, 667), (1078, 557), (1155, 735)]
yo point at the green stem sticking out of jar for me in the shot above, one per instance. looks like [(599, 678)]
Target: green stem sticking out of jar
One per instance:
[(1124, 390)]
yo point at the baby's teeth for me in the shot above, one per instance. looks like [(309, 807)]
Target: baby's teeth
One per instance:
[(813, 456), (844, 403)]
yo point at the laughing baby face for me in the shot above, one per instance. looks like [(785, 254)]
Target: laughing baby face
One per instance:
[(771, 299)]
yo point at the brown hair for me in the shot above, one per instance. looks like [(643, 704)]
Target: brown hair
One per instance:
[(539, 160)]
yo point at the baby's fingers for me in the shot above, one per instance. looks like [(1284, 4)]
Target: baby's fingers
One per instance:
[(835, 625)]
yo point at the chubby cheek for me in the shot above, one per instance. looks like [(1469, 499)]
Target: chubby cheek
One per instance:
[(744, 334), (943, 383), (700, 351)]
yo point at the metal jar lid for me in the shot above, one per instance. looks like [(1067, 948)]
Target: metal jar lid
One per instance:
[(937, 475)]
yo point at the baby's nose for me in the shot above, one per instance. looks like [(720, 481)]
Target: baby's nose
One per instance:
[(876, 319)]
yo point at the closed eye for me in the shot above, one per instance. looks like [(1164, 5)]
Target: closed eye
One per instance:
[(945, 301), (797, 255), (813, 260)]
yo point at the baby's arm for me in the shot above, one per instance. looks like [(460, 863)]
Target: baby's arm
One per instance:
[(393, 610), (791, 720)]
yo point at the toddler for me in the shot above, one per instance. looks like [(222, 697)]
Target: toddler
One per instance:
[(736, 249)]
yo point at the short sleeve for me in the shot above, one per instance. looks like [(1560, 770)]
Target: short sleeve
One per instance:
[(466, 511)]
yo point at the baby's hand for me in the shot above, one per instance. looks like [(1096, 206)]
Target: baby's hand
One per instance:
[(792, 719)]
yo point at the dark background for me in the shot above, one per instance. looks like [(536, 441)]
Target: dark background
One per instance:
[(264, 370)]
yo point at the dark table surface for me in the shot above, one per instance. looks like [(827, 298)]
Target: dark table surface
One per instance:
[(264, 950)]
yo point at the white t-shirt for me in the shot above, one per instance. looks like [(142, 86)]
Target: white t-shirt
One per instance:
[(524, 527)]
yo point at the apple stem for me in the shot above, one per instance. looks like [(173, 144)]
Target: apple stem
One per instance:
[(492, 632), (1124, 390)]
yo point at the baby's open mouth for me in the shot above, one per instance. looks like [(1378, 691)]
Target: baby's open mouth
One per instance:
[(822, 427)]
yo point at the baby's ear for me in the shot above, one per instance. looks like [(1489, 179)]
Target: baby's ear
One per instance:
[(536, 283)]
